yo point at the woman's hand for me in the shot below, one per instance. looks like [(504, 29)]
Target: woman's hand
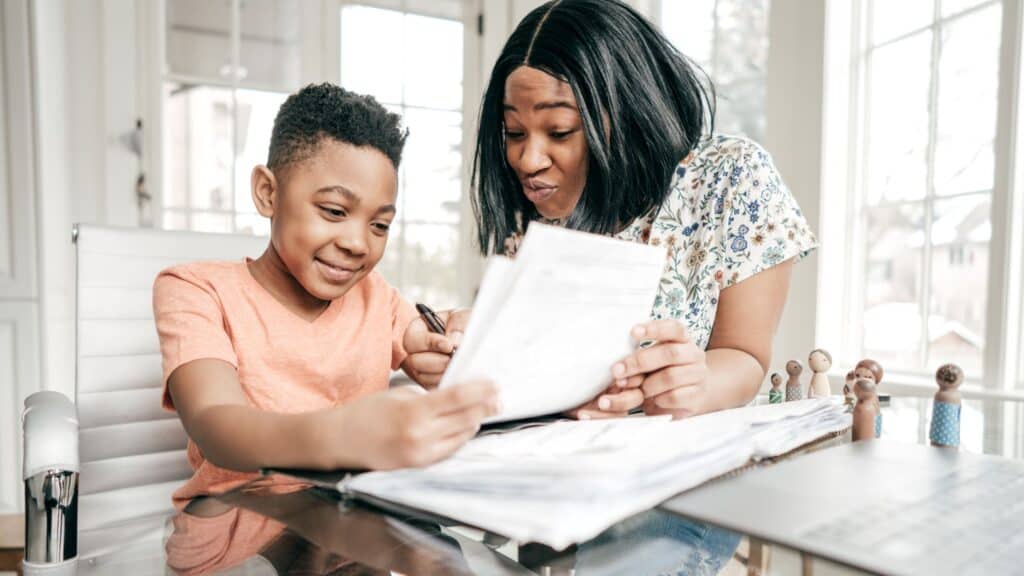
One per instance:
[(406, 426), (671, 374), (429, 353), (614, 402)]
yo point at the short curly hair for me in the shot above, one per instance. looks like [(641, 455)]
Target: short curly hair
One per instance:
[(325, 110)]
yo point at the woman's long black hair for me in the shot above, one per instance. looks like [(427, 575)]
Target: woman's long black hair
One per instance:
[(658, 104)]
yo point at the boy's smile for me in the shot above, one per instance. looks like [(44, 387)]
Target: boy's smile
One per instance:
[(330, 215)]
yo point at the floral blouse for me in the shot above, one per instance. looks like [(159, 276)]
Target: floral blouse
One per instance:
[(728, 216)]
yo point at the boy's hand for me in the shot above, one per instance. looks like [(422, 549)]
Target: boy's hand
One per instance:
[(407, 426), (429, 353)]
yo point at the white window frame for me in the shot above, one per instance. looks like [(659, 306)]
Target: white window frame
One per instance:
[(843, 155), (320, 55), (468, 262)]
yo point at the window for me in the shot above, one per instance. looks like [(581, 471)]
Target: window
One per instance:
[(930, 74), (411, 60), (229, 66), (729, 40)]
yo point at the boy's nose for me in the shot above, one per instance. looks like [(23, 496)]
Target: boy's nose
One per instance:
[(352, 240)]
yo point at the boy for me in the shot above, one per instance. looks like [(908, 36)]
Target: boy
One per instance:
[(283, 361)]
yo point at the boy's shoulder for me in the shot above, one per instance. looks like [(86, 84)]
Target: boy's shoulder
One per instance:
[(209, 272)]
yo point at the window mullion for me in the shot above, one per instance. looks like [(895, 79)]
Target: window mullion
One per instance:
[(236, 63), (929, 201)]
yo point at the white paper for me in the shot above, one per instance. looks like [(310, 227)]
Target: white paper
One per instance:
[(548, 326), (568, 481)]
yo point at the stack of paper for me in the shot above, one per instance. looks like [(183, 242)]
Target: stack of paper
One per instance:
[(548, 326), (568, 481)]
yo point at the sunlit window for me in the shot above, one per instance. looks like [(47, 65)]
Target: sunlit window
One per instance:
[(222, 89), (929, 120), (729, 40), (413, 64)]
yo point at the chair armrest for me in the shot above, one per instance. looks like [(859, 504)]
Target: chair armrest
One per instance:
[(50, 427)]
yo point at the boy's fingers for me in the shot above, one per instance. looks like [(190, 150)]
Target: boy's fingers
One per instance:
[(438, 343), (456, 321), (466, 421), (461, 396), (667, 330), (430, 362)]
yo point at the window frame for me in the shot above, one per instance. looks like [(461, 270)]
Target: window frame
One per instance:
[(1000, 386)]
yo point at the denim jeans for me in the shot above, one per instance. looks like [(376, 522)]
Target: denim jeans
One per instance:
[(654, 543)]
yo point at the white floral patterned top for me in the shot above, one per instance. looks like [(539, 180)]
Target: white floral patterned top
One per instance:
[(728, 216)]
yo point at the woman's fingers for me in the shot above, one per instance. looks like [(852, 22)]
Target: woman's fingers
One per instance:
[(619, 402), (656, 357), (667, 330), (673, 377)]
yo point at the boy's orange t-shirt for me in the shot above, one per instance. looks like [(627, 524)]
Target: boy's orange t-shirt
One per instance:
[(285, 364)]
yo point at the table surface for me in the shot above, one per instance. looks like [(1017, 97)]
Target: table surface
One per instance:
[(254, 531)]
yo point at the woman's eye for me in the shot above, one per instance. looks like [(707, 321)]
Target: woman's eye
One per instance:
[(561, 134), (513, 135)]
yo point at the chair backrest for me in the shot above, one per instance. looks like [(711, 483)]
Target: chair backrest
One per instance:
[(132, 452)]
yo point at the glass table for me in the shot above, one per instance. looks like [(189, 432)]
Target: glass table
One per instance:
[(254, 530)]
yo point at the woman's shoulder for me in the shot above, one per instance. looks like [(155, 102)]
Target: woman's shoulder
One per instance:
[(721, 148)]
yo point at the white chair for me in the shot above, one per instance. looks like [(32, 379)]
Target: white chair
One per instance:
[(132, 452)]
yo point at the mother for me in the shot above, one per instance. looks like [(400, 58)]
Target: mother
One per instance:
[(594, 121)]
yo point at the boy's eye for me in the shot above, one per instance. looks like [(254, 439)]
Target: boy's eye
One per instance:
[(333, 211), (382, 226)]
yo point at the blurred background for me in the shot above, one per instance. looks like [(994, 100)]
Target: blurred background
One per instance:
[(896, 125)]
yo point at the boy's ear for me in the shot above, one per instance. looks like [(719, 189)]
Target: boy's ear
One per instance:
[(265, 191)]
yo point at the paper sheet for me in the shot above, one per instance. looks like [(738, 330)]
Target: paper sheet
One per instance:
[(567, 481), (548, 326)]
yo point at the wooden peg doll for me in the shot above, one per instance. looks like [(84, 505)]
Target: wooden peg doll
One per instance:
[(866, 414), (775, 394), (819, 361), (868, 368), (945, 426), (793, 391), (848, 398)]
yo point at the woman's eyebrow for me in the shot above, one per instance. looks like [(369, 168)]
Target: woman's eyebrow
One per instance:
[(550, 104)]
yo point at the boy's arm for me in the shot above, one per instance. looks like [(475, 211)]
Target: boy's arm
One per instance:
[(392, 429), (231, 433)]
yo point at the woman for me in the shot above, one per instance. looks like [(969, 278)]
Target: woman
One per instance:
[(594, 121)]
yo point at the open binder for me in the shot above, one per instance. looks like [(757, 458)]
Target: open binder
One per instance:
[(565, 482)]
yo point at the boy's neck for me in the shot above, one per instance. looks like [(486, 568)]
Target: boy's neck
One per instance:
[(271, 273)]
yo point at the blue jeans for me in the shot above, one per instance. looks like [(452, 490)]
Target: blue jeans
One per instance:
[(657, 542)]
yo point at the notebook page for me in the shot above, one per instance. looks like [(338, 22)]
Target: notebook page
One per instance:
[(549, 337)]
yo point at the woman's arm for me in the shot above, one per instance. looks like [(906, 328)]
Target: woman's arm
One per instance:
[(679, 378), (396, 428), (740, 349)]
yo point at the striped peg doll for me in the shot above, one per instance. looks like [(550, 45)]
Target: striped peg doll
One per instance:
[(775, 394), (945, 426), (793, 391)]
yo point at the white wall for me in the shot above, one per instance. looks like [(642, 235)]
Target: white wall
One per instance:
[(794, 136)]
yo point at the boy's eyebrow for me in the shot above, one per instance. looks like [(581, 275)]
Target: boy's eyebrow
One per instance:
[(354, 198)]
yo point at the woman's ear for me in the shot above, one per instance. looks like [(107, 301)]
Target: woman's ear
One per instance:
[(265, 192)]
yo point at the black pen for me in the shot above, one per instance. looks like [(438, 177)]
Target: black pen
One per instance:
[(434, 324)]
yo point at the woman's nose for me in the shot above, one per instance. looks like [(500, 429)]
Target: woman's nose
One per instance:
[(534, 157)]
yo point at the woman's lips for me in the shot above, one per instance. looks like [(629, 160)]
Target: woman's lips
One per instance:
[(537, 193), (336, 274)]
